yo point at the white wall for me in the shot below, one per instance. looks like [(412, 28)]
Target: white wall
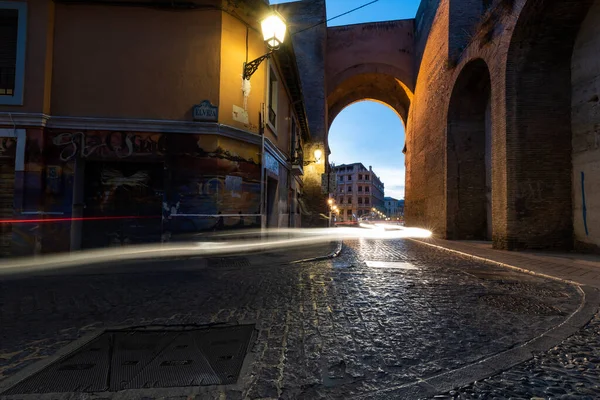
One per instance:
[(586, 127)]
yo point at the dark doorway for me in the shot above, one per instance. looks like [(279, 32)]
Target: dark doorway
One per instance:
[(272, 216), (124, 201), (469, 185)]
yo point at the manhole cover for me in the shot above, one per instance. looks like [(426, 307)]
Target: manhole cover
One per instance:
[(228, 262), (134, 359), (519, 304), (390, 264)]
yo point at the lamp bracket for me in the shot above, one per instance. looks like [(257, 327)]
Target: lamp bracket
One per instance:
[(251, 67)]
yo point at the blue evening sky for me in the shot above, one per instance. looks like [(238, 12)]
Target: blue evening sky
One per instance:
[(366, 131)]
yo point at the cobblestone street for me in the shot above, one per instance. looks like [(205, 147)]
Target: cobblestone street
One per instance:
[(568, 371), (381, 315)]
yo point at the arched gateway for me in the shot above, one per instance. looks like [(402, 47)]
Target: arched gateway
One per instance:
[(343, 65)]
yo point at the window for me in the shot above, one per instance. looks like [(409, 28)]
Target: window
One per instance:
[(13, 19), (360, 188), (359, 177), (349, 200), (293, 139), (360, 200), (342, 200), (349, 189), (272, 99), (366, 200), (349, 177), (349, 213), (367, 189), (366, 177)]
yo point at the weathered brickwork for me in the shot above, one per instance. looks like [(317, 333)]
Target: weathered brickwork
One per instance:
[(529, 63), (466, 152), (501, 108)]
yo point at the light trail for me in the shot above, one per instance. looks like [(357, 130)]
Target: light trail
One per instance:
[(69, 219), (301, 237)]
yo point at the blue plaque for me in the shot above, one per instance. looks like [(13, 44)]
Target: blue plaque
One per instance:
[(206, 112)]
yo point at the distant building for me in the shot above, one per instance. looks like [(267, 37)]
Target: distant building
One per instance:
[(394, 208), (358, 191)]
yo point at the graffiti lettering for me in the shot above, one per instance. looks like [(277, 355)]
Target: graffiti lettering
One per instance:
[(7, 146), (108, 144), (531, 191)]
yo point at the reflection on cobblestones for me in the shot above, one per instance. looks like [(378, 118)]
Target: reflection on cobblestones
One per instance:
[(568, 371), (328, 329)]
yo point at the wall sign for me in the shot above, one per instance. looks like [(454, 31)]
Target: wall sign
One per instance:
[(206, 112), (271, 164)]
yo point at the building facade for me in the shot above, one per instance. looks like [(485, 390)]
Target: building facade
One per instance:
[(127, 123), (499, 99), (394, 208), (359, 190)]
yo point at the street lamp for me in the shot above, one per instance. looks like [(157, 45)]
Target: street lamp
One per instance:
[(330, 201), (318, 154), (273, 30)]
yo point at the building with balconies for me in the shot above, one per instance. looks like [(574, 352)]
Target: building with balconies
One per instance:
[(359, 190)]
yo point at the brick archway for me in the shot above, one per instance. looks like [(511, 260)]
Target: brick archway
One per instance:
[(540, 185), (371, 61), (376, 87), (468, 182)]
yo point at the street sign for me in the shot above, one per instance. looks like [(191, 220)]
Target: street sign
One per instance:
[(328, 183)]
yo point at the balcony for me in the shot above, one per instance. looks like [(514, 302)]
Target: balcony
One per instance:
[(298, 163)]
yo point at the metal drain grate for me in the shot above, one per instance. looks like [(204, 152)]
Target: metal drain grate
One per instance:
[(135, 359), (228, 262)]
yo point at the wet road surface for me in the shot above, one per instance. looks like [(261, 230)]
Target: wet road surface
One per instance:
[(383, 314)]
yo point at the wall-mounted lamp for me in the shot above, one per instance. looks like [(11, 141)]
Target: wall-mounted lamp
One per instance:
[(273, 29), (318, 153)]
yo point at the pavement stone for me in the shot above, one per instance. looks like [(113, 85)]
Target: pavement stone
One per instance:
[(331, 329), (570, 370)]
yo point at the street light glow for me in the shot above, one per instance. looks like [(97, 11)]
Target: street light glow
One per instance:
[(273, 30), (318, 154)]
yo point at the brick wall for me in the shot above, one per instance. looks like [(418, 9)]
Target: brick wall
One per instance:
[(466, 152), (585, 67), (539, 124)]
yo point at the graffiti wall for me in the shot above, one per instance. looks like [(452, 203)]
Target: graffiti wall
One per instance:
[(191, 179), (208, 176)]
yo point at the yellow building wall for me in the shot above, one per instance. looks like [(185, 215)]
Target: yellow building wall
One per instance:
[(233, 55), (134, 62)]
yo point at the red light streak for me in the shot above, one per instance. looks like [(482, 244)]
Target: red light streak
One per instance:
[(38, 220)]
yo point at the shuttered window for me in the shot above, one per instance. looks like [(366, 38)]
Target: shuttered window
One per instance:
[(13, 20), (9, 23)]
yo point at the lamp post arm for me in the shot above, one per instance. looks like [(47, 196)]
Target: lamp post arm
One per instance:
[(251, 67)]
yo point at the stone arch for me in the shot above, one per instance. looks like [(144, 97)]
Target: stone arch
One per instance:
[(539, 129), (372, 61), (378, 87), (468, 157)]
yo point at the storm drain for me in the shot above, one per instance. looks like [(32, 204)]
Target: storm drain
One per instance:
[(135, 359)]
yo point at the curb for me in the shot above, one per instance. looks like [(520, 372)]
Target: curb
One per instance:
[(490, 261), (335, 253), (504, 360)]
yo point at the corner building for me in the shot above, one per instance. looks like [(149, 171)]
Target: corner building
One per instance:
[(126, 123), (359, 190)]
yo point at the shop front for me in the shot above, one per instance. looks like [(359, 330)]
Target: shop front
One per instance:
[(111, 188)]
